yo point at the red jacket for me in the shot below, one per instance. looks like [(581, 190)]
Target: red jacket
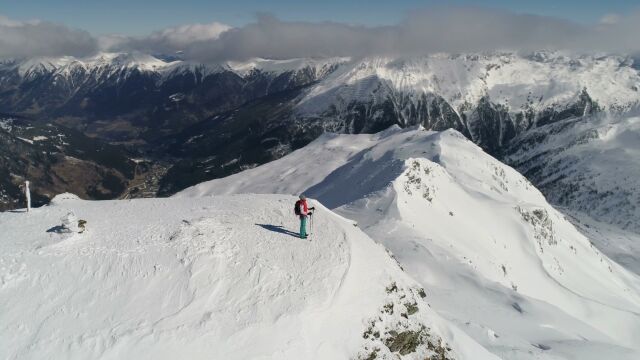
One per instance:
[(304, 208)]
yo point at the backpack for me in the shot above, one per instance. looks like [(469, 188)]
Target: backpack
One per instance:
[(296, 210)]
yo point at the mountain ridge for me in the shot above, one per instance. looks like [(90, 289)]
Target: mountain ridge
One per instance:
[(439, 203)]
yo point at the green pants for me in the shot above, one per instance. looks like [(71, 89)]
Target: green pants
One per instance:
[(303, 226)]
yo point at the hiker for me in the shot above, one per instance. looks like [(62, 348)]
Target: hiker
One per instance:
[(302, 210)]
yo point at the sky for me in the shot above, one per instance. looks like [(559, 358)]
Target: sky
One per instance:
[(215, 31), (137, 17)]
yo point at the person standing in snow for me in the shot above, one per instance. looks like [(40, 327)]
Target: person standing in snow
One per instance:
[(302, 210)]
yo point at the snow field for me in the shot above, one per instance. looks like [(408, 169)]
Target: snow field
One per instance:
[(214, 277)]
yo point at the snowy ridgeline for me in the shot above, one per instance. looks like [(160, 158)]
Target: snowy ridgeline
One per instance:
[(498, 261), (555, 78), (216, 277), (455, 256), (116, 65)]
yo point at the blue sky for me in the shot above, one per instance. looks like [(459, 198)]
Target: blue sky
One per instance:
[(137, 17)]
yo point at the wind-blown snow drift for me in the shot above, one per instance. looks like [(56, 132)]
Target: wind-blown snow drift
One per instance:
[(207, 278), (501, 262)]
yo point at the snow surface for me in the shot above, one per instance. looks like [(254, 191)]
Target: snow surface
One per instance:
[(494, 256), (194, 278)]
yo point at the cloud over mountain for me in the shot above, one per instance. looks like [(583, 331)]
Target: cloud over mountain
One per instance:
[(40, 38), (445, 29), (428, 31), (168, 40)]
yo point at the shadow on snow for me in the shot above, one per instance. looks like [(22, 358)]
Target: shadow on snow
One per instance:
[(278, 229)]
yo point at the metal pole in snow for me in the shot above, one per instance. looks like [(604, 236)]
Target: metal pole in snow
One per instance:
[(27, 194)]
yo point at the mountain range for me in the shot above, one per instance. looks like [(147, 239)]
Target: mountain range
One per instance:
[(203, 121)]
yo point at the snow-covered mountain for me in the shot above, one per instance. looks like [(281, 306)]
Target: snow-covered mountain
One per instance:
[(209, 278), (139, 97), (494, 257), (111, 65), (489, 97)]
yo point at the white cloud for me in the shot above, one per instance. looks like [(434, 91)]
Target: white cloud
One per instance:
[(112, 41), (166, 41), (186, 34), (38, 38), (434, 30), (5, 21), (446, 29)]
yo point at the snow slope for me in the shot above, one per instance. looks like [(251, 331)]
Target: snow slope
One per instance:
[(497, 258), (587, 164), (215, 277), (620, 245)]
